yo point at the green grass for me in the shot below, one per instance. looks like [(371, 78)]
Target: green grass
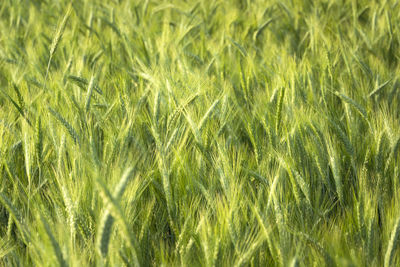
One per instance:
[(199, 133)]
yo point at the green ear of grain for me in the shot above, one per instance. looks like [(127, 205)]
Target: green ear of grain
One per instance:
[(39, 141), (194, 128), (83, 83), (57, 38), (266, 231), (123, 105), (89, 94), (337, 177), (207, 115), (171, 139), (378, 88), (70, 209), (314, 244), (156, 112), (303, 186), (123, 182), (393, 244), (278, 115), (68, 126), (105, 230), (60, 30), (10, 227), (240, 48), (261, 29), (114, 210), (343, 137), (17, 218), (166, 183), (180, 108), (383, 144), (354, 104), (19, 96), (244, 258), (27, 159), (18, 107), (54, 243)]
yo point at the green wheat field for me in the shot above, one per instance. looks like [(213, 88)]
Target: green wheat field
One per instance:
[(199, 133)]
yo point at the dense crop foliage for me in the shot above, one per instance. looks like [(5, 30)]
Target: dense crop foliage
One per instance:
[(199, 133)]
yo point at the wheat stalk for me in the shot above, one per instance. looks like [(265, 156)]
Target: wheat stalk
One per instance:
[(56, 39), (393, 244)]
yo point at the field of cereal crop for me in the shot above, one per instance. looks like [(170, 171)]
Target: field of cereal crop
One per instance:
[(199, 133)]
